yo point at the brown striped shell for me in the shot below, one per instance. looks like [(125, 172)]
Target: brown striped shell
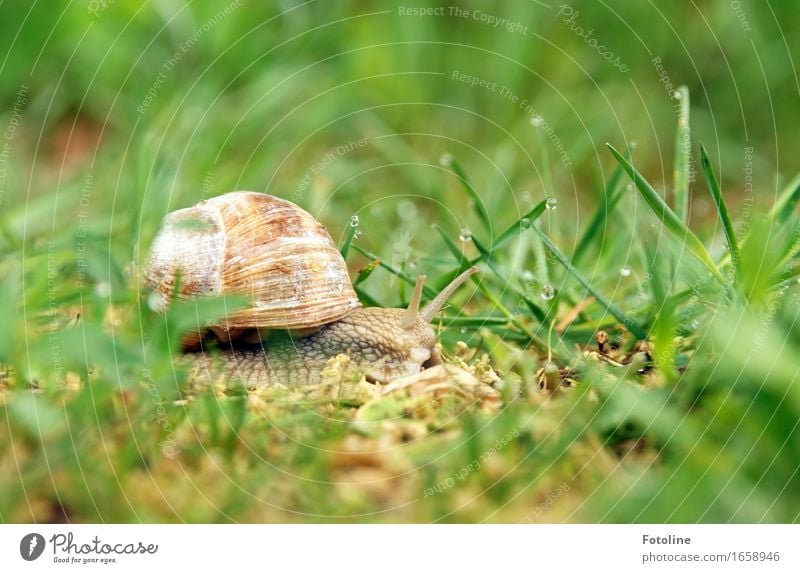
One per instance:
[(260, 246)]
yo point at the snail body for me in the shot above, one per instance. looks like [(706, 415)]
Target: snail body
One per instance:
[(304, 310)]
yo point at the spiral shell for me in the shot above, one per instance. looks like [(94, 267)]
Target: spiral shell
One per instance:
[(260, 246)]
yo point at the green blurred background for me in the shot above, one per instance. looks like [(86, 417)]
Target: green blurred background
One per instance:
[(115, 112)]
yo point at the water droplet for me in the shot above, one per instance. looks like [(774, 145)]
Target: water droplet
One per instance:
[(629, 187), (527, 275), (525, 223), (103, 289), (548, 292), (677, 95), (725, 245), (465, 234), (551, 203), (633, 145), (406, 210), (625, 271), (354, 221), (537, 120), (445, 160), (527, 198), (358, 234), (156, 302), (463, 330), (695, 324)]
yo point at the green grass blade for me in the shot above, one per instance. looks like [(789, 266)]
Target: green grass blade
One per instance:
[(351, 233), (364, 273), (787, 201), (629, 323), (475, 321), (512, 231), (487, 257), (457, 253), (480, 208), (612, 195), (683, 156), (523, 223), (722, 208), (429, 292), (668, 216)]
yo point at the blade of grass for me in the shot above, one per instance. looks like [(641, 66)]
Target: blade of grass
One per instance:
[(722, 208), (457, 253), (513, 230), (429, 292), (487, 257), (348, 241), (611, 196), (547, 177), (474, 321), (683, 156), (523, 223), (612, 309), (364, 273), (787, 200), (668, 216), (480, 208)]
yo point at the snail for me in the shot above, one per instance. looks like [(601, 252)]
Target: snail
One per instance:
[(303, 309)]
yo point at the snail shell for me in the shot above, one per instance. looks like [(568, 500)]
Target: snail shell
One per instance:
[(260, 246)]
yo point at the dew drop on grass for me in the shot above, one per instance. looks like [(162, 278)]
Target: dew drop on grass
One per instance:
[(551, 203), (625, 271), (525, 223), (358, 234), (548, 292), (354, 220), (463, 330), (677, 95), (527, 275), (536, 121), (103, 289), (156, 302), (445, 160), (406, 210), (465, 234)]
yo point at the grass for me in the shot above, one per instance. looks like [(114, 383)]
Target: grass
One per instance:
[(687, 414)]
